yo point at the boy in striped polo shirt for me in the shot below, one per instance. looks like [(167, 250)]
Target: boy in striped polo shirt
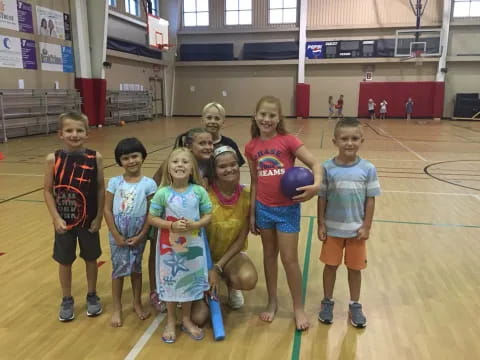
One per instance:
[(346, 202)]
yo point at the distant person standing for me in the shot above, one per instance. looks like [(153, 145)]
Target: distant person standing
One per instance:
[(383, 109), (409, 108), (339, 107), (331, 107), (371, 109)]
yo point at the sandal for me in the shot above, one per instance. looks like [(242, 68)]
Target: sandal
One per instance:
[(156, 303), (194, 337)]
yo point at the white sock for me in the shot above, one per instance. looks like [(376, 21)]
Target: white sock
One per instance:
[(352, 302)]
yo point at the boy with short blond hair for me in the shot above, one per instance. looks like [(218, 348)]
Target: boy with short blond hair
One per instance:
[(74, 192), (346, 202)]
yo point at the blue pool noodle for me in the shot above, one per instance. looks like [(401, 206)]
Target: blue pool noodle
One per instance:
[(215, 310)]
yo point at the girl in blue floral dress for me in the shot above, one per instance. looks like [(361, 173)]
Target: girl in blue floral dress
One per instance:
[(181, 209), (126, 209)]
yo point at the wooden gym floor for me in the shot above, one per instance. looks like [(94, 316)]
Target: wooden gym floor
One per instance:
[(420, 292)]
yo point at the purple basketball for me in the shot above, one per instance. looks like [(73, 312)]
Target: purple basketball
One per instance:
[(294, 178)]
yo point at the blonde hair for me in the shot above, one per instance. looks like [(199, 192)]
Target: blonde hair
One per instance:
[(194, 176), (254, 130), (217, 106), (72, 115)]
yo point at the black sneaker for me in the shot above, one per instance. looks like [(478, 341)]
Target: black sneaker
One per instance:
[(66, 309), (94, 307)]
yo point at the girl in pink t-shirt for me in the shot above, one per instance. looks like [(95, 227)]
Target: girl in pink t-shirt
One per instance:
[(275, 217)]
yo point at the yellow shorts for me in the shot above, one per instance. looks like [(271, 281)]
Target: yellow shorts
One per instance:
[(355, 252)]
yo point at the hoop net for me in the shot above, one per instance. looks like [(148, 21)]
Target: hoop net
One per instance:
[(417, 55)]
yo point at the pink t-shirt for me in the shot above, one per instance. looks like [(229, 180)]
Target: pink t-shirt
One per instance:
[(272, 157)]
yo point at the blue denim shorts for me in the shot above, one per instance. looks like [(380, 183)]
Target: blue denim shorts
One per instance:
[(282, 218)]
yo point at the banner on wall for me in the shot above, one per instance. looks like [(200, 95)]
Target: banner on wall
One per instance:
[(8, 14), (67, 59), (67, 26), (50, 23), (51, 57), (315, 50), (16, 15), (25, 18), (29, 56), (17, 53), (56, 57)]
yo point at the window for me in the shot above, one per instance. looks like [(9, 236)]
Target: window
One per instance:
[(155, 8), (282, 11), (466, 8), (132, 7), (112, 3), (195, 13), (238, 12)]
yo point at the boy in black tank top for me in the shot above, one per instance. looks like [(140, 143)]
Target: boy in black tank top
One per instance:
[(74, 191)]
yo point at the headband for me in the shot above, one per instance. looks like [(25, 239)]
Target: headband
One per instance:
[(222, 149)]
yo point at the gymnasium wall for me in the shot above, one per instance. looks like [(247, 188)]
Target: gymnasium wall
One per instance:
[(34, 79), (336, 79), (335, 14), (463, 61), (127, 68), (243, 86), (136, 70), (462, 77)]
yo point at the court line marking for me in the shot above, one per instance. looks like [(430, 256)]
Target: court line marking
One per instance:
[(402, 145), (138, 347), (14, 174), (413, 222), (297, 340), (428, 193), (392, 160)]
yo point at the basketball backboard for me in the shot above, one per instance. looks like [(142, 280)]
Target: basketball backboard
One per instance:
[(409, 42), (157, 29)]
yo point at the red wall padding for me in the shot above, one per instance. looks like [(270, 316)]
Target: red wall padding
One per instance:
[(428, 97), (302, 108), (93, 93)]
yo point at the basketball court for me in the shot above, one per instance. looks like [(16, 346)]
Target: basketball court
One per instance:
[(418, 292), (421, 288)]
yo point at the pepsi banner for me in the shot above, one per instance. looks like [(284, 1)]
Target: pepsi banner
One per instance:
[(315, 50)]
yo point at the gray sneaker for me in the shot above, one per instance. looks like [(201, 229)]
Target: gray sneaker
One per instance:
[(94, 307), (357, 318), (326, 312), (66, 309)]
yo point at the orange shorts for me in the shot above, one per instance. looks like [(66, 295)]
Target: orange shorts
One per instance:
[(355, 252)]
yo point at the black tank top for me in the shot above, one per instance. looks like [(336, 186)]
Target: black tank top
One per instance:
[(75, 186)]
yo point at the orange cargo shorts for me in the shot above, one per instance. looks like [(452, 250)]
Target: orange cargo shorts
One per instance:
[(355, 252)]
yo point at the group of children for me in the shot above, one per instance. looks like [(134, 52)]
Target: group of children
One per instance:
[(178, 206), (335, 110), (383, 109)]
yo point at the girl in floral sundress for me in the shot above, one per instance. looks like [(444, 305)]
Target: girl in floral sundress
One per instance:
[(181, 209)]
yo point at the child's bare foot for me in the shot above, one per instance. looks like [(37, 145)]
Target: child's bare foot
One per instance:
[(301, 320), (193, 330), (116, 318), (141, 313), (169, 336), (269, 314)]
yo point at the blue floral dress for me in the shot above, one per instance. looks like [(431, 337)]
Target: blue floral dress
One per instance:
[(181, 263), (129, 213)]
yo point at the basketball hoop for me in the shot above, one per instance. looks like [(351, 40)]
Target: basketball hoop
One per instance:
[(417, 55), (165, 47)]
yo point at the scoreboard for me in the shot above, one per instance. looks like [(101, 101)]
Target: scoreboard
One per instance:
[(353, 49)]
